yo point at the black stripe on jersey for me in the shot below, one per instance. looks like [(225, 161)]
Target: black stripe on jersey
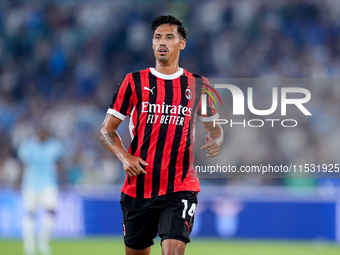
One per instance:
[(137, 81), (178, 136), (186, 157), (126, 102), (156, 174), (147, 135), (138, 88)]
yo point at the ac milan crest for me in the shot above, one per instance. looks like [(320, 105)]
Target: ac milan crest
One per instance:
[(124, 230), (188, 93)]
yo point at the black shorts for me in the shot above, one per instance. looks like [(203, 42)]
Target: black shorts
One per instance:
[(171, 216)]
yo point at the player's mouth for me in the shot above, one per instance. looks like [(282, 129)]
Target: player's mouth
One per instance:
[(163, 51)]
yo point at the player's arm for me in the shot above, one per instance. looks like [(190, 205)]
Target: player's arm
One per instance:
[(18, 181), (111, 139), (213, 140), (22, 155)]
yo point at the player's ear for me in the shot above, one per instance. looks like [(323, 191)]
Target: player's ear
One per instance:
[(183, 44)]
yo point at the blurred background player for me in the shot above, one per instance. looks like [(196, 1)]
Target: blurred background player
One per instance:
[(41, 157)]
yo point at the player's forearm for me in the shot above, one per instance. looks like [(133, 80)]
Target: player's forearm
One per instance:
[(112, 141), (18, 182)]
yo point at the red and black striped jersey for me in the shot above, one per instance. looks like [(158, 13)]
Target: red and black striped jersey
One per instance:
[(162, 110)]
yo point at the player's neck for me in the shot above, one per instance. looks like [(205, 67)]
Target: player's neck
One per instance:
[(167, 69)]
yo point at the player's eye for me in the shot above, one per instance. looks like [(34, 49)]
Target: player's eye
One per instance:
[(170, 37)]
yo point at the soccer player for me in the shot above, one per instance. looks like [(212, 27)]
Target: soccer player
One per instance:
[(41, 157), (159, 195)]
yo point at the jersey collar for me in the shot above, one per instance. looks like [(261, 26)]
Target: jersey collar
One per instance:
[(166, 76)]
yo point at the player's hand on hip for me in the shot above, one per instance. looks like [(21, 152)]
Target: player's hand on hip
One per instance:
[(212, 147), (133, 165)]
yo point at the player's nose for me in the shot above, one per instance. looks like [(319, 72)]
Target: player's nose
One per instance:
[(162, 42)]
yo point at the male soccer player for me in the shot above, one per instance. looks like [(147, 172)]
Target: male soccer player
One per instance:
[(41, 157), (160, 190)]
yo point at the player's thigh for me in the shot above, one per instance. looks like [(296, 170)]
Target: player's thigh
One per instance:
[(177, 218), (140, 226), (30, 199), (49, 198)]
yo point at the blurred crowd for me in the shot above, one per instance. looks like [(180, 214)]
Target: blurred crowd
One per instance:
[(60, 62)]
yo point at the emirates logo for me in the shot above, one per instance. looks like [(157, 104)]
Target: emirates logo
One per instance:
[(188, 93)]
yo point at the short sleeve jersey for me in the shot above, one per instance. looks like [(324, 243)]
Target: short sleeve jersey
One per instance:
[(40, 160), (162, 110)]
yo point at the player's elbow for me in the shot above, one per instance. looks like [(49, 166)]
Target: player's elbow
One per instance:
[(102, 135)]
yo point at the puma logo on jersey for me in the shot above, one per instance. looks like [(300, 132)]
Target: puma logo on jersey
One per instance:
[(151, 90)]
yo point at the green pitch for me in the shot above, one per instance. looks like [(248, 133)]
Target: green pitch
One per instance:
[(114, 246)]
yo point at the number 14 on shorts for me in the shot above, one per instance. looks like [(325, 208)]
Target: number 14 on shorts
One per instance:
[(191, 211)]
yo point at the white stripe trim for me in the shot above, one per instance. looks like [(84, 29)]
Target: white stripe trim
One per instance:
[(209, 119), (131, 126), (116, 114), (166, 76)]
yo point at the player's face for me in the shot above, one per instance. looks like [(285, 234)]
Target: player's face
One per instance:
[(167, 43), (43, 134)]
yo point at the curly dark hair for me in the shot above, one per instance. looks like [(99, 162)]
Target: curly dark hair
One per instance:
[(160, 20)]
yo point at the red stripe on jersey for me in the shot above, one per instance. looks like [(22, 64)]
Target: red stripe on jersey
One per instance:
[(177, 94), (185, 185), (130, 183), (134, 115), (130, 188), (120, 98), (142, 118), (191, 173), (153, 140), (194, 88), (178, 185)]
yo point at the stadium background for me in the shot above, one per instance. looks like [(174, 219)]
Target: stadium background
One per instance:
[(60, 62)]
